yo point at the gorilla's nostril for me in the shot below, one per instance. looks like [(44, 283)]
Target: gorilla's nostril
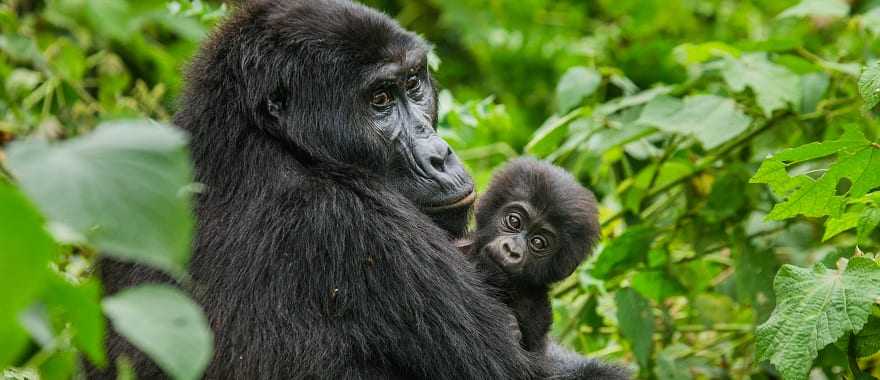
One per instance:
[(515, 255), (438, 163)]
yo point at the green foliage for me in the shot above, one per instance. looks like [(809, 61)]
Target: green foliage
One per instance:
[(110, 177), (732, 144), (816, 308), (24, 260), (165, 324)]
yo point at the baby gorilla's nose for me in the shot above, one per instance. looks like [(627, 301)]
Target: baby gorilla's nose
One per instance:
[(512, 254)]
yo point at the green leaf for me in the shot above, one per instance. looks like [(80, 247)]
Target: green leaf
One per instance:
[(61, 365), (753, 277), (868, 221), (548, 137), (711, 119), (858, 160), (80, 306), (576, 84), (25, 251), (166, 325), (869, 84), (813, 88), (14, 338), (625, 251), (69, 61), (871, 21), (636, 323), (868, 339), (775, 87), (123, 187), (838, 224), (689, 54), (826, 8), (656, 285), (669, 367), (815, 308)]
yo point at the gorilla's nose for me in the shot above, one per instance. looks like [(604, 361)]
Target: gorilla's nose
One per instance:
[(438, 154), (512, 255)]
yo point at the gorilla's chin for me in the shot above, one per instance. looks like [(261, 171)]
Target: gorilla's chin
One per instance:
[(465, 201), (453, 220)]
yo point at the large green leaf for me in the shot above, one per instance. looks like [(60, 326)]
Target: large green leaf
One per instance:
[(775, 87), (123, 187), (166, 325), (815, 308), (576, 84), (858, 160), (711, 119), (25, 250), (869, 84), (636, 323)]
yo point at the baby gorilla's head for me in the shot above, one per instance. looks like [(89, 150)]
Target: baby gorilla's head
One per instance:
[(535, 222)]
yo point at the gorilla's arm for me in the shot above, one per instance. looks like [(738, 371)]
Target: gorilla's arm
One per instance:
[(564, 364), (375, 280)]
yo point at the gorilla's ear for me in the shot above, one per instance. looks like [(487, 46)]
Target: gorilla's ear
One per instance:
[(275, 104), (274, 108)]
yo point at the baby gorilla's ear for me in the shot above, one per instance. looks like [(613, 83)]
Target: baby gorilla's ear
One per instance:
[(465, 246)]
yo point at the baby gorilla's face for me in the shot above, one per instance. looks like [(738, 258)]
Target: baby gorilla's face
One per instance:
[(521, 238)]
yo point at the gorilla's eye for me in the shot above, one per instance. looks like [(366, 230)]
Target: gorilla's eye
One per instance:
[(413, 83), (381, 98), (513, 221), (538, 243)]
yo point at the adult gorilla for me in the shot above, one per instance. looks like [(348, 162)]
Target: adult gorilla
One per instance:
[(313, 129)]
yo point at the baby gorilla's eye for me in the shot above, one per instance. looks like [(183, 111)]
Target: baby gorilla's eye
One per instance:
[(538, 243), (381, 98), (413, 83), (513, 221)]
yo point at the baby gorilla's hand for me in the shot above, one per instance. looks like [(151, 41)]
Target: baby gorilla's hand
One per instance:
[(514, 327)]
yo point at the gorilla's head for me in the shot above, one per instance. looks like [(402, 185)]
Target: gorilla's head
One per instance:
[(334, 81)]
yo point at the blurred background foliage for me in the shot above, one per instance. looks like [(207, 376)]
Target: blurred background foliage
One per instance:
[(664, 108)]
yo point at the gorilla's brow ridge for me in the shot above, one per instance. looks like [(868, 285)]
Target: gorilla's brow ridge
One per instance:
[(397, 66)]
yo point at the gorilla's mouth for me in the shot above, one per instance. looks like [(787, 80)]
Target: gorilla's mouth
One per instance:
[(454, 203)]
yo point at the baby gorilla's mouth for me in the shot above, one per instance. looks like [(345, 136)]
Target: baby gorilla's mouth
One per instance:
[(455, 203)]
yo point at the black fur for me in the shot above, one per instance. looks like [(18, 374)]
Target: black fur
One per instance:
[(314, 255), (552, 199)]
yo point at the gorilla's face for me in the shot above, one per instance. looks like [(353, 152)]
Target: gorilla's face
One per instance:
[(399, 100), (349, 85)]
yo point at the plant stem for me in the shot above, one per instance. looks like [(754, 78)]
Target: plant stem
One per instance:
[(852, 356), (704, 164)]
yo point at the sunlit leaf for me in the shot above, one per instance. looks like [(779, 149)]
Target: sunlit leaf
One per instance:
[(868, 222), (840, 223), (858, 161)]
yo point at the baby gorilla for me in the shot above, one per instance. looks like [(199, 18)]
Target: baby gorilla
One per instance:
[(535, 224)]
